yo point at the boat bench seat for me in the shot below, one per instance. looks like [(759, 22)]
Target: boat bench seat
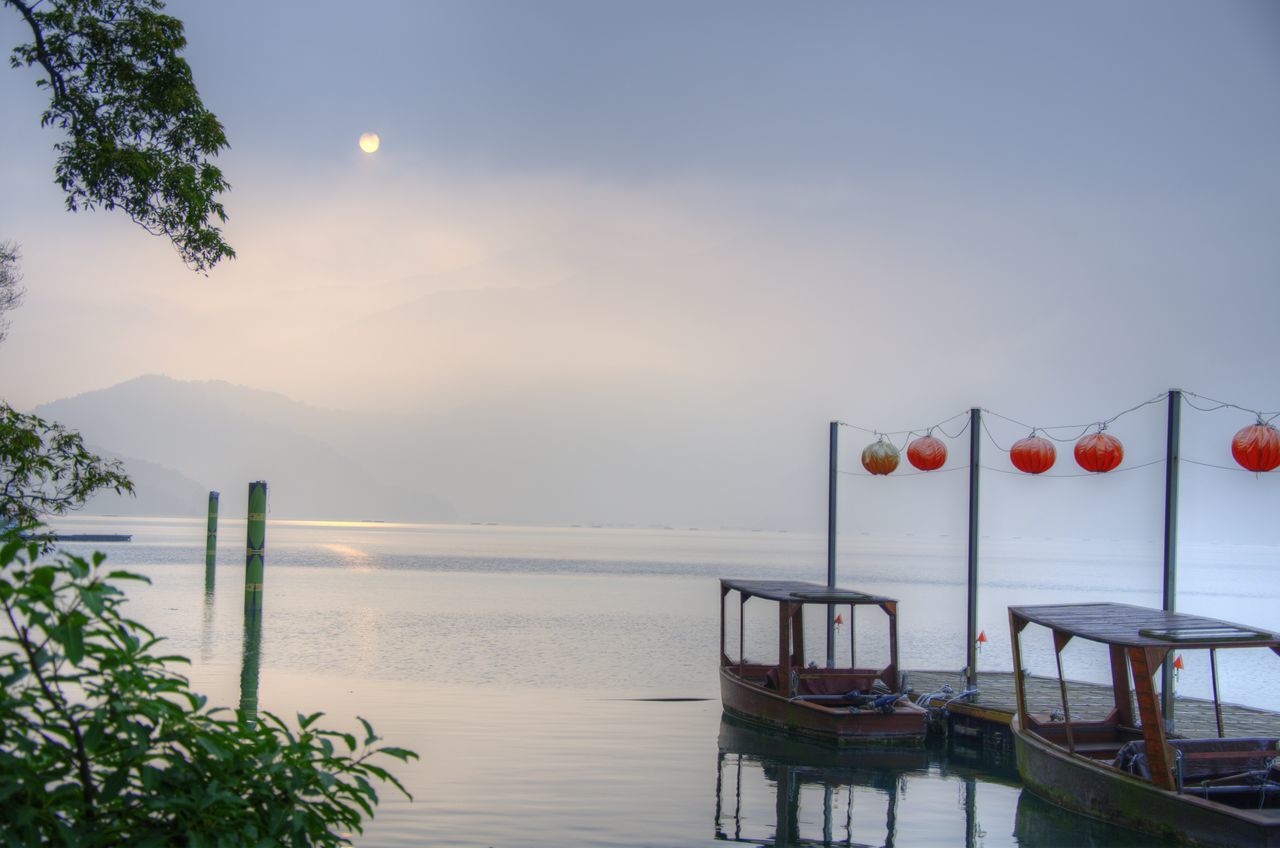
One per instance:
[(1204, 758), (826, 683)]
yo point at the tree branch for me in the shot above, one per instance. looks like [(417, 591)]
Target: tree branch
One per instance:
[(42, 52), (82, 756)]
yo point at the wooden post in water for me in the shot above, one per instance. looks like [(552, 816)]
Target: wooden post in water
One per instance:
[(255, 550), (975, 453), (211, 543), (833, 479), (1170, 541)]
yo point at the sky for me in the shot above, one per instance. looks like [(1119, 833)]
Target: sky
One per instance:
[(707, 229)]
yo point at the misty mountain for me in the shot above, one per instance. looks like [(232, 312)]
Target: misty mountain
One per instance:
[(224, 436), (157, 490)]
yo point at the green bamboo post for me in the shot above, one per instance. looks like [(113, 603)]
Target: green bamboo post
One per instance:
[(255, 551), (251, 654), (211, 544)]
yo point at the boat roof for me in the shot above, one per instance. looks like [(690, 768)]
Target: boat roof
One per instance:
[(1143, 627), (798, 591)]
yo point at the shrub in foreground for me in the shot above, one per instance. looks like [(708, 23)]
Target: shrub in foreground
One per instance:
[(102, 743)]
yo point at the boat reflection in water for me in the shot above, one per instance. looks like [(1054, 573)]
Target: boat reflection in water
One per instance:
[(851, 790), (776, 790)]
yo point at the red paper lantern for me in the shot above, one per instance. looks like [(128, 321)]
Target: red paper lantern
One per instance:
[(880, 457), (1257, 447), (927, 453), (1034, 454), (1099, 452)]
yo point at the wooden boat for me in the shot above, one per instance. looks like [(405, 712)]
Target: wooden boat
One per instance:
[(840, 705), (1125, 768)]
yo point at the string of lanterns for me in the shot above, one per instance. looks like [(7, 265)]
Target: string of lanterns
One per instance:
[(1255, 448)]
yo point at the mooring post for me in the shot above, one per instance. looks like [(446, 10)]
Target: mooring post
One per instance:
[(255, 549), (211, 543), (832, 481), (1170, 541), (975, 453)]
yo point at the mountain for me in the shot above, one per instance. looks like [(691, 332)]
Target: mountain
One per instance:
[(157, 490), (225, 436)]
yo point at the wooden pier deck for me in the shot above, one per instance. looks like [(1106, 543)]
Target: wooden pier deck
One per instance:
[(994, 703)]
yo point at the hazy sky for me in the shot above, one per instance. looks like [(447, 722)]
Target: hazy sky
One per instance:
[(726, 219)]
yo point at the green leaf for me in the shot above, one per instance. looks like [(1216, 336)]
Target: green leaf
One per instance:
[(72, 639), (91, 597), (402, 754)]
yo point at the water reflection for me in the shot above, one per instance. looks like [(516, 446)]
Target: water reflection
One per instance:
[(206, 630), (776, 791), (249, 661), (849, 791), (1039, 824)]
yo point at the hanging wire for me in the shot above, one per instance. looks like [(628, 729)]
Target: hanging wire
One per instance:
[(937, 426), (987, 430), (905, 473), (1223, 467), (1075, 474), (967, 421), (1083, 428), (1265, 417)]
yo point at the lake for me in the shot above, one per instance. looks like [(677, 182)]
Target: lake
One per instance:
[(521, 663)]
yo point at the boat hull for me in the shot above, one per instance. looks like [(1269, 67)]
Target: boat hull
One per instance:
[(1099, 791), (755, 705)]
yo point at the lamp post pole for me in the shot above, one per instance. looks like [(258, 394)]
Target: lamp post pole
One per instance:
[(975, 452), (832, 480), (1170, 594)]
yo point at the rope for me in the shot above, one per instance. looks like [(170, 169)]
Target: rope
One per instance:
[(987, 430), (1074, 474), (1264, 417), (906, 473), (1223, 467), (907, 433), (1076, 431), (967, 421), (1083, 428)]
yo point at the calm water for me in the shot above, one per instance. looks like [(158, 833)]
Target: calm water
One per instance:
[(514, 660)]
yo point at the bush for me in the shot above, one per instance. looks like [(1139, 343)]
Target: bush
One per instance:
[(102, 743)]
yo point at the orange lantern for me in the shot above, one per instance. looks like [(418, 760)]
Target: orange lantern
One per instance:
[(1034, 454), (1099, 452), (927, 453), (1257, 447), (880, 457)]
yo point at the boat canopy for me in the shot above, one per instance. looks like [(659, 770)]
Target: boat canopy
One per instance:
[(798, 591), (1140, 627)]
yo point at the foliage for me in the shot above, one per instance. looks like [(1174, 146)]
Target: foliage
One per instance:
[(102, 744), (10, 284), (46, 469), (138, 137)]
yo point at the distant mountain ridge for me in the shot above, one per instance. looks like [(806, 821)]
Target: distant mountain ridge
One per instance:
[(221, 436), (157, 490)]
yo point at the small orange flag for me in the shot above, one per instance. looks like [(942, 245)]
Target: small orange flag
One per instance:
[(1177, 663), (982, 636), (839, 618)]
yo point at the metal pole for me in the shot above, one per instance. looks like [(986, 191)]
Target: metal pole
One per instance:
[(1170, 541), (975, 454), (832, 481), (255, 550), (211, 542)]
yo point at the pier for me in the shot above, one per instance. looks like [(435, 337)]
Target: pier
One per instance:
[(982, 721)]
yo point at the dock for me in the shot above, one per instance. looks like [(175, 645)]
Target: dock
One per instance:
[(78, 537), (981, 722)]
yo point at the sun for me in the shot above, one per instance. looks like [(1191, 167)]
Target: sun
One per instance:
[(369, 142)]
